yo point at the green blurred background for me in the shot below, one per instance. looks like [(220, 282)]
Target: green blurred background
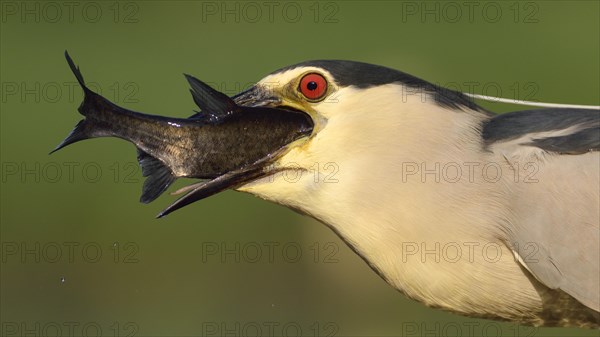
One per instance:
[(81, 255)]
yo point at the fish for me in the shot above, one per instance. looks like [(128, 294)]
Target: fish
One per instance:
[(224, 144)]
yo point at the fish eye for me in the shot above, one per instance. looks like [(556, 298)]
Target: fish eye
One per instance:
[(313, 86)]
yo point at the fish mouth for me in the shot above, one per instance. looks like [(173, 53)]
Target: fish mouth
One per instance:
[(261, 168)]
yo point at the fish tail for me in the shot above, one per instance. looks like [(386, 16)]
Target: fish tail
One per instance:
[(83, 130), (97, 123), (76, 71), (90, 99), (93, 104)]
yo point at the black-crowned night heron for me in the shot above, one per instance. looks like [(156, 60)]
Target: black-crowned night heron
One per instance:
[(485, 215)]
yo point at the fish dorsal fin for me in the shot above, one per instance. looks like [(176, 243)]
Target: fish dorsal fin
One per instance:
[(212, 103), (159, 176)]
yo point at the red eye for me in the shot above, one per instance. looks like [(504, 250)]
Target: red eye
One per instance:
[(313, 86)]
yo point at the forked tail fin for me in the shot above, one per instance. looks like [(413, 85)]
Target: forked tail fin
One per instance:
[(92, 103)]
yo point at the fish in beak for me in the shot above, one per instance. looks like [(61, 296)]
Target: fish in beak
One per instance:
[(227, 144)]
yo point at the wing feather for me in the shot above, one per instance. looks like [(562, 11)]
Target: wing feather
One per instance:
[(555, 222)]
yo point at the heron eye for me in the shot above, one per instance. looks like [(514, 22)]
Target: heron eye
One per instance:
[(313, 86)]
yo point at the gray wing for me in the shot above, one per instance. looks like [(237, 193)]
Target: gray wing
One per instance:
[(554, 220), (540, 124)]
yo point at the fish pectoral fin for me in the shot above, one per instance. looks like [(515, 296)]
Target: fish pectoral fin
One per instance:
[(214, 104), (159, 177)]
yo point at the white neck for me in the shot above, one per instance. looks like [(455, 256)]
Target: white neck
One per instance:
[(385, 221)]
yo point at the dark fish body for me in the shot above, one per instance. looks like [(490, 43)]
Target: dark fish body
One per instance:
[(195, 147), (222, 138)]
